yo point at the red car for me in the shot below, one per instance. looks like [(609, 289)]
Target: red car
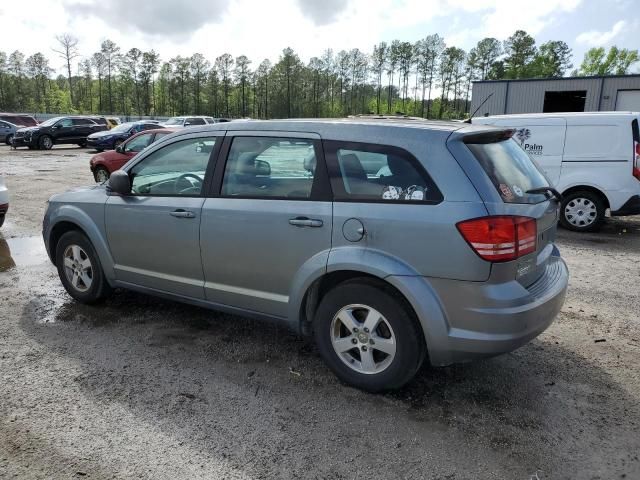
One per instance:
[(104, 164)]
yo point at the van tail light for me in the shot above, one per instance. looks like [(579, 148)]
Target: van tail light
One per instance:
[(500, 238), (636, 160)]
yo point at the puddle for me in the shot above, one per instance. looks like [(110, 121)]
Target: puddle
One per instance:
[(18, 252)]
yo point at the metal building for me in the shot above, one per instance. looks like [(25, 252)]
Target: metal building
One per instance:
[(569, 94)]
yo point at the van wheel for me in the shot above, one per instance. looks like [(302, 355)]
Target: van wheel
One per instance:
[(45, 142), (79, 268), (368, 337), (582, 211)]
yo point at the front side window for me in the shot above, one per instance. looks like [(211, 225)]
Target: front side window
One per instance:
[(368, 172), (65, 122), (270, 167), (138, 144), (177, 169)]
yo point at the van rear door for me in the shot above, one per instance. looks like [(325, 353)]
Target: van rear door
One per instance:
[(505, 176)]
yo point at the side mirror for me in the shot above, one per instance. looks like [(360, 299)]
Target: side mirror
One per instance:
[(263, 169), (119, 183), (120, 149)]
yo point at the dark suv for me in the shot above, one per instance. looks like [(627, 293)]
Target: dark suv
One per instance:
[(57, 130)]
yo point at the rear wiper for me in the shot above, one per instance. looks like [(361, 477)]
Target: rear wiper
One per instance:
[(546, 191)]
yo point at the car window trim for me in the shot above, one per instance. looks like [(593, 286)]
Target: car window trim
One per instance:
[(213, 160), (341, 196), (320, 189)]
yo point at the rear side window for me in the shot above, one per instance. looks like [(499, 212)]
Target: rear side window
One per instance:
[(511, 170), (377, 173), (196, 121)]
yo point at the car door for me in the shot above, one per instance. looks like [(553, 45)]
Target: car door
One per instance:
[(154, 233), (82, 128), (62, 131), (268, 217), (4, 130)]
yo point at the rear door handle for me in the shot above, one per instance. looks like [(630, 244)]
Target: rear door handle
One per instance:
[(180, 213), (306, 222)]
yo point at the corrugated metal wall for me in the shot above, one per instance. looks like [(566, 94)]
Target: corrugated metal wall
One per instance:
[(528, 96)]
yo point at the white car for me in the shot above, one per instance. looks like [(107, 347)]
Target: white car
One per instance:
[(193, 121), (592, 159), (4, 200)]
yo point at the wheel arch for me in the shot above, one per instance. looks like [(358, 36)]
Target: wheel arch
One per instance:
[(589, 188)]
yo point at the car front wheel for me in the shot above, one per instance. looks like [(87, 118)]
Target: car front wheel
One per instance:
[(101, 175), (45, 142), (582, 211), (9, 140), (79, 268), (368, 336)]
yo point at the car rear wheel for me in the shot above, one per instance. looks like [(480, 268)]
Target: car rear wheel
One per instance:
[(79, 268), (2, 219), (368, 336), (82, 144), (101, 174), (45, 142), (582, 211), (9, 139)]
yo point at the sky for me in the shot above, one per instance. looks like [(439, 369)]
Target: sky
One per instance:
[(262, 28)]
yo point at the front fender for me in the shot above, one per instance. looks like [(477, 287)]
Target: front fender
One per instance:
[(77, 216)]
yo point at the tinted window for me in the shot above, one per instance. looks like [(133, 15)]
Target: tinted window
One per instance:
[(139, 143), (81, 121), (270, 167), (65, 122), (511, 170), (150, 126), (177, 169), (4, 125), (369, 172), (196, 121)]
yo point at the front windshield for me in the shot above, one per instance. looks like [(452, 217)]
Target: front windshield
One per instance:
[(175, 121), (51, 121), (123, 127)]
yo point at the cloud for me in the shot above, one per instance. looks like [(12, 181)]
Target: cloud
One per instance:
[(594, 38), (160, 17), (322, 12)]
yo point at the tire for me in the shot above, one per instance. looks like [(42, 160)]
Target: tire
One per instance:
[(101, 174), (99, 150), (9, 140), (582, 211), (82, 144), (2, 219), (45, 142), (89, 287), (386, 370)]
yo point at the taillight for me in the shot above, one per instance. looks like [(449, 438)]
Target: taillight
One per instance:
[(500, 238), (636, 160)]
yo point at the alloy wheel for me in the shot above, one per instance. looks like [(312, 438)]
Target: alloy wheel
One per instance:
[(78, 268), (363, 339)]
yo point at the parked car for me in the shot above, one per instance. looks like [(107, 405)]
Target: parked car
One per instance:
[(7, 131), (57, 130), (4, 200), (592, 158), (110, 139), (104, 164), (19, 119), (181, 122), (280, 220)]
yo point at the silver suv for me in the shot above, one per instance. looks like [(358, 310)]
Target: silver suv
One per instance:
[(390, 241)]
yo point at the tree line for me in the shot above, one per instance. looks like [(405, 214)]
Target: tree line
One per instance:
[(395, 77)]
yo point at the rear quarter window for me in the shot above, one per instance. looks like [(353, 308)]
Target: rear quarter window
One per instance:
[(511, 170)]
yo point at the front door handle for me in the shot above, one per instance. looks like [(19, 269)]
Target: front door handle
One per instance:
[(180, 213), (306, 222)]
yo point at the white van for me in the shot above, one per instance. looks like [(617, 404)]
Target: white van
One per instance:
[(593, 159)]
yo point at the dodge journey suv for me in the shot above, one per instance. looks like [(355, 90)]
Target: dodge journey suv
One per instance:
[(390, 241)]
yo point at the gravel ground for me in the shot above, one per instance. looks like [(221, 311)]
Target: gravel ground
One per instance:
[(146, 388)]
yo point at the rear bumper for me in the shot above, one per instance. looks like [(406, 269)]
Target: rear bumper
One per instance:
[(630, 207), (483, 319)]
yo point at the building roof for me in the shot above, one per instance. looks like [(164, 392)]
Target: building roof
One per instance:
[(594, 77)]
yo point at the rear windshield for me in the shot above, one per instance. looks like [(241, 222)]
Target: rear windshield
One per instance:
[(511, 170)]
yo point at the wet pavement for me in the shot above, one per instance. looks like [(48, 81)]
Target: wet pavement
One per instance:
[(143, 387)]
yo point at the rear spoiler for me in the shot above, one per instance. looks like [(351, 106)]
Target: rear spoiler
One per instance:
[(490, 136)]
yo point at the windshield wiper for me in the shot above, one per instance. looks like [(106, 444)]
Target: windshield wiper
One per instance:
[(547, 190)]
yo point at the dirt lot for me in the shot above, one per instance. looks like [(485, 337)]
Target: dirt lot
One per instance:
[(145, 388)]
